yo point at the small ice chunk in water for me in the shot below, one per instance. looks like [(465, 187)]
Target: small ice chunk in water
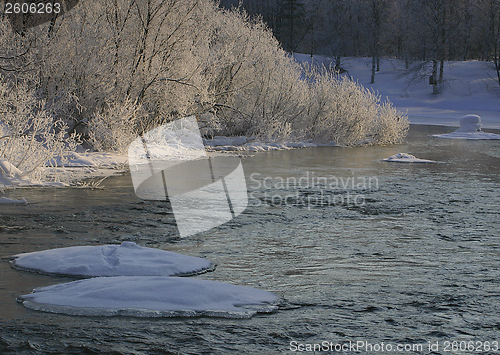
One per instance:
[(9, 201), (407, 158)]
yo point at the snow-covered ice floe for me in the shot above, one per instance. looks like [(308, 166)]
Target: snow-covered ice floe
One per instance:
[(407, 158), (469, 135), (150, 296), (470, 128), (9, 201), (127, 259)]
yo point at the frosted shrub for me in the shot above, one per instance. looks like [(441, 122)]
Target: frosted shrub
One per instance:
[(187, 57), (113, 127), (390, 126), (343, 111), (255, 88), (30, 135)]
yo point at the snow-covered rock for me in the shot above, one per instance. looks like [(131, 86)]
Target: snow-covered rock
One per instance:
[(406, 158), (150, 296), (8, 173), (9, 169), (470, 123), (127, 259), (470, 128)]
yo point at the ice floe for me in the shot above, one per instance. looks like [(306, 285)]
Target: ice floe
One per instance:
[(406, 158), (479, 135), (9, 201), (150, 296), (127, 259)]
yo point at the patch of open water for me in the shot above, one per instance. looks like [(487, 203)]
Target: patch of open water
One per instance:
[(412, 257)]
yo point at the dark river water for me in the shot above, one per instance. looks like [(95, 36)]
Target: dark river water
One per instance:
[(367, 256)]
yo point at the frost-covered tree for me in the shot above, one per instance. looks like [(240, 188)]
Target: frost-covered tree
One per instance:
[(125, 67), (32, 129)]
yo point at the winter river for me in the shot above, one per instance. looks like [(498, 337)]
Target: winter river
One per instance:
[(368, 256)]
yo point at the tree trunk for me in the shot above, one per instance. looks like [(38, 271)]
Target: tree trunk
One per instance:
[(337, 63), (374, 60), (441, 71), (494, 35), (435, 88), (497, 67)]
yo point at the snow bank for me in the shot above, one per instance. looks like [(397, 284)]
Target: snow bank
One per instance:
[(150, 296), (127, 259), (242, 143), (71, 159), (222, 140), (470, 128), (407, 158), (67, 170), (88, 159), (176, 141)]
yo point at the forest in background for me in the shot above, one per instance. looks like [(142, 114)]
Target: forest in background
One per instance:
[(424, 31)]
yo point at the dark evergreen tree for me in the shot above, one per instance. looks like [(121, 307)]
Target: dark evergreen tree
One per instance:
[(291, 27)]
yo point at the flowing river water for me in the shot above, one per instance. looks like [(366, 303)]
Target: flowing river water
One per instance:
[(367, 256)]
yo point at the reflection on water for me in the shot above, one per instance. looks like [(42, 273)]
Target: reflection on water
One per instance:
[(418, 261)]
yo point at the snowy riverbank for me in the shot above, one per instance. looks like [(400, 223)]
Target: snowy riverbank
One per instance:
[(469, 88)]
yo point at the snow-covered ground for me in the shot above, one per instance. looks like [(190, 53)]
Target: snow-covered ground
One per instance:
[(470, 88), (242, 143), (66, 171)]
